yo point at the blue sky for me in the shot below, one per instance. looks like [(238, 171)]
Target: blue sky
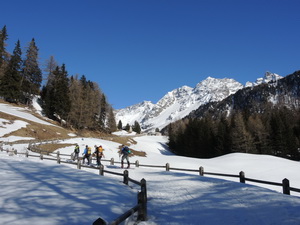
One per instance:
[(139, 50)]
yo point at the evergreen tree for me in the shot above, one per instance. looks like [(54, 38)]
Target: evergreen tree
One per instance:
[(56, 95), (3, 53), (136, 127), (259, 134), (241, 139), (10, 82), (120, 126), (222, 137), (31, 74), (111, 120), (103, 112), (127, 127)]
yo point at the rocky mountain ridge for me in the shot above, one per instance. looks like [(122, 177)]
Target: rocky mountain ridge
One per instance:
[(182, 101)]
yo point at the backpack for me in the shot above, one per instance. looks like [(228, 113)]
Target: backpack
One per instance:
[(89, 151), (77, 149), (126, 150)]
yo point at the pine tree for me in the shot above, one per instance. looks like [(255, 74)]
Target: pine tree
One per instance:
[(103, 112), (111, 120), (31, 74), (10, 82), (223, 140), (127, 127), (136, 127), (241, 139), (3, 54), (120, 126), (56, 95)]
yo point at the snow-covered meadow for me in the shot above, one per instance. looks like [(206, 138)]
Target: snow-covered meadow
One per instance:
[(44, 192)]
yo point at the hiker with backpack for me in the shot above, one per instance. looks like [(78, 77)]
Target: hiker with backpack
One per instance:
[(87, 154), (76, 152), (125, 151), (98, 153)]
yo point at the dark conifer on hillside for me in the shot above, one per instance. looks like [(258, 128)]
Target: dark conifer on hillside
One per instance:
[(56, 95), (10, 82), (120, 126), (4, 56), (112, 126), (136, 127), (31, 74)]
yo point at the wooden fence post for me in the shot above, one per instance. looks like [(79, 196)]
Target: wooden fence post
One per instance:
[(286, 186), (201, 171), (57, 154), (27, 154), (78, 164), (101, 170), (41, 156), (126, 175), (142, 211), (112, 161), (242, 177), (137, 163), (144, 188), (167, 167), (58, 160)]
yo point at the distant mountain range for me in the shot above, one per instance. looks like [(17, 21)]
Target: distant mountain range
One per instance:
[(180, 102)]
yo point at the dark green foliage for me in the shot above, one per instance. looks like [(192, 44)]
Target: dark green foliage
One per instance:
[(136, 127), (56, 95), (120, 126), (127, 128), (31, 74), (112, 127), (10, 82), (3, 54), (276, 132), (103, 111)]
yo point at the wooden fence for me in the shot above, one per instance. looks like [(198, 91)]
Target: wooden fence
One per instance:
[(285, 184), (141, 206)]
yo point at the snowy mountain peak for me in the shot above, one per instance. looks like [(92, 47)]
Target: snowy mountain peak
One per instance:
[(177, 103), (268, 77)]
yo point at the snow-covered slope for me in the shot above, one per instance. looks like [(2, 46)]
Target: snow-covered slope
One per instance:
[(180, 102)]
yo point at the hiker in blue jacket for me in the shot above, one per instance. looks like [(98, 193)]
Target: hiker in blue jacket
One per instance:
[(125, 152), (87, 154)]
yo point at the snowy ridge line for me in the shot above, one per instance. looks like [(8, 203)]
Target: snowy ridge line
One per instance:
[(141, 207)]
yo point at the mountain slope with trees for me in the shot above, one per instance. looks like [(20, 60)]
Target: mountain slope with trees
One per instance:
[(264, 119)]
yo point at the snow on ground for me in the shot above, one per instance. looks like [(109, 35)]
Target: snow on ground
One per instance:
[(174, 197), (46, 193), (22, 113)]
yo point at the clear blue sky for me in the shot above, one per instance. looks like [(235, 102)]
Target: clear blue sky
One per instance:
[(139, 50)]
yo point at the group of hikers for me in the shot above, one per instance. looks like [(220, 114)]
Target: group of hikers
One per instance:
[(98, 153)]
